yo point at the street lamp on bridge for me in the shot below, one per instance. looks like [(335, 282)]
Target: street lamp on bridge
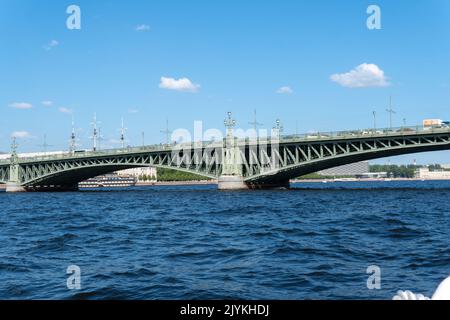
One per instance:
[(278, 129), (95, 133), (14, 156), (122, 135), (374, 113), (230, 123), (73, 139)]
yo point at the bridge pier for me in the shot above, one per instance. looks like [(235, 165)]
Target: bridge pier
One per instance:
[(13, 184), (14, 187), (226, 182)]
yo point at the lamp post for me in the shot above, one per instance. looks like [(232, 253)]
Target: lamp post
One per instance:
[(230, 123), (374, 120), (278, 129), (391, 112), (255, 124), (167, 132)]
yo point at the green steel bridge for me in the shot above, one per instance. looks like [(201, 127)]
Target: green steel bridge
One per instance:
[(235, 163)]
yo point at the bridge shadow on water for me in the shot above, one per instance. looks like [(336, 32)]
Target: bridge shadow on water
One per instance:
[(406, 185)]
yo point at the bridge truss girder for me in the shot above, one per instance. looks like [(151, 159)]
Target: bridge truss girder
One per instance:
[(296, 159), (4, 174), (72, 171)]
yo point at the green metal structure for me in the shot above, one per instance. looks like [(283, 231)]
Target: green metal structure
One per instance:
[(249, 163)]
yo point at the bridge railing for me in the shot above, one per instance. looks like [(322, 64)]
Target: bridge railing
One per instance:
[(311, 136), (363, 133), (114, 152), (349, 134), (90, 153)]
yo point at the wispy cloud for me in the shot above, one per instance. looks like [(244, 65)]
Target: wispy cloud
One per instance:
[(133, 111), (49, 46), (65, 110), (142, 27), (47, 103), (183, 84), (20, 134), (21, 105), (363, 76), (285, 90)]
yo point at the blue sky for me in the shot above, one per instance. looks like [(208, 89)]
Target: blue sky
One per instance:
[(235, 56)]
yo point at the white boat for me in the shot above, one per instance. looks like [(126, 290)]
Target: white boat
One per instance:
[(108, 181)]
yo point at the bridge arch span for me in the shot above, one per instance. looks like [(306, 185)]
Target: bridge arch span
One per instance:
[(283, 174), (4, 174), (68, 179)]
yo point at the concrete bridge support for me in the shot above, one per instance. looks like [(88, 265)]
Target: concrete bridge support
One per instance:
[(227, 182), (232, 177), (14, 187)]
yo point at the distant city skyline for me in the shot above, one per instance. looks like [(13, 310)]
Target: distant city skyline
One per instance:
[(314, 65)]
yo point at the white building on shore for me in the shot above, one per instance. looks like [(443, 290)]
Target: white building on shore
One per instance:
[(426, 174), (372, 175)]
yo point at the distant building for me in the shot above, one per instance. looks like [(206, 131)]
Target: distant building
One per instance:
[(139, 173), (352, 169), (426, 174), (372, 175)]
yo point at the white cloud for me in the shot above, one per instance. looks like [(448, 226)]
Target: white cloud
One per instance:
[(20, 134), (49, 46), (285, 90), (142, 27), (133, 111), (21, 105), (183, 84), (47, 103), (363, 76), (65, 110)]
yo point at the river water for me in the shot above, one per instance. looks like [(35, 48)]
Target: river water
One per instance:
[(194, 242)]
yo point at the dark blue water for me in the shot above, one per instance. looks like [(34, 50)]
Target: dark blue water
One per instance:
[(197, 243)]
